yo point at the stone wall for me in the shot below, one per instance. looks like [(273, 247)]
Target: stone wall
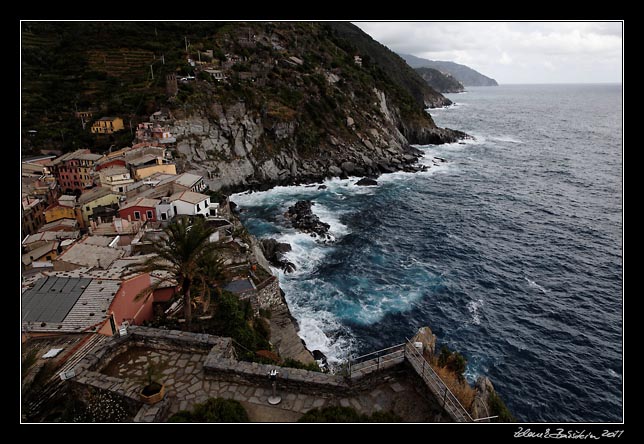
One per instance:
[(268, 293), (220, 365), (88, 370), (323, 385)]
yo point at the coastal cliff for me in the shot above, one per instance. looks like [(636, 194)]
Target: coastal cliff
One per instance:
[(255, 104), (440, 81), (464, 74)]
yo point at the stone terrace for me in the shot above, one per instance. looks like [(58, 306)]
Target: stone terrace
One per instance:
[(186, 363)]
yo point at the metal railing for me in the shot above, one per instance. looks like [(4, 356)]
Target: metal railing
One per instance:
[(377, 360), (387, 357), (436, 385)]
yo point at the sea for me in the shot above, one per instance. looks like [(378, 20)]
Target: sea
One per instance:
[(509, 247)]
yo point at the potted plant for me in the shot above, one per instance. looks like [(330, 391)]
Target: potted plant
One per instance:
[(153, 391)]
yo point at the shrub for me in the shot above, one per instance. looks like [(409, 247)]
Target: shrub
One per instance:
[(346, 414), (497, 407), (332, 414), (213, 410), (234, 318), (293, 363)]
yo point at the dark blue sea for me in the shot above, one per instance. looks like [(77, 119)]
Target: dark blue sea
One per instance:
[(511, 250)]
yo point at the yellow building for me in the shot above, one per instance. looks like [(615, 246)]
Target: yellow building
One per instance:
[(107, 125), (148, 170), (96, 197), (64, 208)]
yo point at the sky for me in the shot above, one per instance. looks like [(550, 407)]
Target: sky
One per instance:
[(513, 52)]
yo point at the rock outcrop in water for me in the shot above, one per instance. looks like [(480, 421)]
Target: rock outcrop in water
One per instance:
[(274, 252), (302, 218), (366, 182)]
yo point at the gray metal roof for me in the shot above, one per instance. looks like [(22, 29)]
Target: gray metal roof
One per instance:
[(51, 298), (70, 305)]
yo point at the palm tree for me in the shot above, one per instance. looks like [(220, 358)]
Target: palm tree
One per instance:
[(185, 254)]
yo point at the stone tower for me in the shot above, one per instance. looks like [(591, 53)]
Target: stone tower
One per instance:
[(171, 87)]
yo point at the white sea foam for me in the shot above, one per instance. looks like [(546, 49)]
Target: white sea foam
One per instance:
[(473, 307), (533, 284), (612, 373), (319, 327), (506, 138)]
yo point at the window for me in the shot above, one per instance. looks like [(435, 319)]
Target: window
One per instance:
[(137, 215), (48, 258), (164, 216), (87, 208), (149, 214), (120, 189), (198, 207)]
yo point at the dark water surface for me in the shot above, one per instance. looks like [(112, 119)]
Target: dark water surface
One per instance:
[(511, 251)]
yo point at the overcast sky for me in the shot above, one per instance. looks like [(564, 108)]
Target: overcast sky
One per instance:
[(513, 52)]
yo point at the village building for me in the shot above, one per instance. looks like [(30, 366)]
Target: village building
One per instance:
[(139, 209), (32, 215), (93, 200), (216, 74), (41, 256), (73, 171), (37, 240), (86, 254), (107, 125), (85, 300), (115, 177), (64, 224), (186, 203), (126, 231)]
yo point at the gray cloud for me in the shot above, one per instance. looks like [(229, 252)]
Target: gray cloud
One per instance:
[(513, 52)]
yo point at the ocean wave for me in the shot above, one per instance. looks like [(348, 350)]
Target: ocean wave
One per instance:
[(533, 284), (505, 138), (473, 307)]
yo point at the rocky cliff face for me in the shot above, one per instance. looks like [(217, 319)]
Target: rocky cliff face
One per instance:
[(237, 148)]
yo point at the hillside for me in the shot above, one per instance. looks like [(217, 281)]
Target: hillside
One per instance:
[(293, 104), (443, 83), (464, 74)]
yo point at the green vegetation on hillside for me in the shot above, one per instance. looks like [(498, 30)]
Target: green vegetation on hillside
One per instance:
[(120, 68)]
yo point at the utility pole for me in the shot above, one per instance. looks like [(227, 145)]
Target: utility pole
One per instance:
[(163, 58), (152, 71), (185, 38)]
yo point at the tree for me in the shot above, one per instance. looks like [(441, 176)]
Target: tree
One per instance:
[(186, 254)]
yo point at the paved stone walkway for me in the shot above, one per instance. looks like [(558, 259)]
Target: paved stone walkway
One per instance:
[(186, 384)]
